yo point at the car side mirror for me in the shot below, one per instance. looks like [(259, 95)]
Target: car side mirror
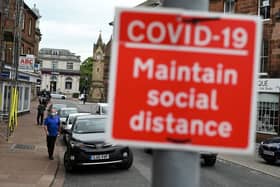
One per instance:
[(63, 123)]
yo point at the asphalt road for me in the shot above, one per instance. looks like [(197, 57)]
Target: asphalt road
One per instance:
[(223, 174)]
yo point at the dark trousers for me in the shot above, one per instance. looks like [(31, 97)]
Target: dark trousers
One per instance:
[(51, 143), (40, 117)]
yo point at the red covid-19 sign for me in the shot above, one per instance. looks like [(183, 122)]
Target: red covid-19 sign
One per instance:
[(184, 80)]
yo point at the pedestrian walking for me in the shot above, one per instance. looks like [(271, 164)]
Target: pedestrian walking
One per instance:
[(52, 130), (40, 113), (85, 98)]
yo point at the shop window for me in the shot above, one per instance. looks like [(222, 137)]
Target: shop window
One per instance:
[(20, 99), (268, 117), (264, 56), (68, 83), (6, 100), (26, 98), (264, 9), (229, 6)]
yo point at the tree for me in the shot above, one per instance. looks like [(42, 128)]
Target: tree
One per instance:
[(86, 75)]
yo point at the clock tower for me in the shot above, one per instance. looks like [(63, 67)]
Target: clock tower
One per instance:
[(97, 88)]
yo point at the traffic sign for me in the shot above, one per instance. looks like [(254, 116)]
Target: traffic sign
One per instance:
[(184, 80)]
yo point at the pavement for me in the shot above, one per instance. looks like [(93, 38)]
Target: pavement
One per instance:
[(24, 160), (254, 162)]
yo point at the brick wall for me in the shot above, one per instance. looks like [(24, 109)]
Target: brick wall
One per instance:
[(271, 29)]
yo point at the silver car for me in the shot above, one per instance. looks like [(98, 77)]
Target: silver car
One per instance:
[(67, 125), (64, 112)]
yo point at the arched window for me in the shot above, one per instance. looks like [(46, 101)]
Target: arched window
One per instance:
[(68, 83)]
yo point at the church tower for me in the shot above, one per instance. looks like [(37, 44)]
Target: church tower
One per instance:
[(97, 92)]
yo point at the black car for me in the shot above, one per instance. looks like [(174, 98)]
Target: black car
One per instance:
[(208, 157), (269, 150), (87, 145)]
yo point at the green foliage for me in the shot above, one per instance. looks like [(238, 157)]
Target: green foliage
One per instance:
[(86, 74)]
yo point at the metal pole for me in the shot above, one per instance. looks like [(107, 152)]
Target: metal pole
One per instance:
[(178, 168)]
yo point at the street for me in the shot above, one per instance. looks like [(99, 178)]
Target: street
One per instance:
[(224, 173)]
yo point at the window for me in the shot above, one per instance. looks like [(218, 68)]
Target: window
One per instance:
[(20, 99), (29, 51), (54, 65), (55, 52), (23, 21), (68, 83), (264, 56), (69, 65), (22, 49), (264, 9), (229, 6), (26, 100), (268, 119), (30, 27)]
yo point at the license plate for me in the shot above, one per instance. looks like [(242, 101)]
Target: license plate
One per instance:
[(99, 157), (268, 153)]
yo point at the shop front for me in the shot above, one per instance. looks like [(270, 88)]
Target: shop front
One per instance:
[(26, 83), (268, 107)]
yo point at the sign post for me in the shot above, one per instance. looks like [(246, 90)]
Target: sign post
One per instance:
[(183, 80), (178, 168)]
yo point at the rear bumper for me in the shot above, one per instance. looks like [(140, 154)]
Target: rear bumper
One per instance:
[(208, 155)]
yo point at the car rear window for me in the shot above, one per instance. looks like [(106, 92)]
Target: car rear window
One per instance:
[(276, 140), (65, 113)]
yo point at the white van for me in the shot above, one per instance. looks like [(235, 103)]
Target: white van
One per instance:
[(101, 108)]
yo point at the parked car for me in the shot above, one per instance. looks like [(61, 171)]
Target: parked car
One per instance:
[(67, 125), (64, 112), (58, 106), (269, 150), (58, 96), (208, 157), (100, 108), (87, 145)]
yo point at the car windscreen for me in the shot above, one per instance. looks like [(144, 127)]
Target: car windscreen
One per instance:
[(91, 125), (65, 113)]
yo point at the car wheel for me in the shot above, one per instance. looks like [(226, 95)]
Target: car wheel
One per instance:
[(68, 165), (270, 160), (128, 163), (209, 161), (62, 97)]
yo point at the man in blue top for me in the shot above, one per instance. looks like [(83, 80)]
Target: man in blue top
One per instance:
[(52, 129)]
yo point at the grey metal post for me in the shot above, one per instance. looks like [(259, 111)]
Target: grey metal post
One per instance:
[(178, 168)]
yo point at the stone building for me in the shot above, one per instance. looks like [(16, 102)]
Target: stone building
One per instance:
[(19, 38), (60, 71)]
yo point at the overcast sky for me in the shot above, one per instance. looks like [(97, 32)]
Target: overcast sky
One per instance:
[(76, 24)]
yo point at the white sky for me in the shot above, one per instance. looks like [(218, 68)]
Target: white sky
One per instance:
[(76, 24)]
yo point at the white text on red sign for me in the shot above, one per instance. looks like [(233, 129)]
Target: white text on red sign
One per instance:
[(188, 35)]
